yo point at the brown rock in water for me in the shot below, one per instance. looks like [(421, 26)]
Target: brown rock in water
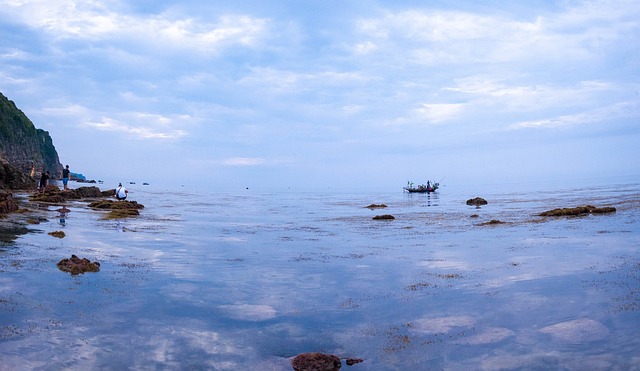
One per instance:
[(7, 204), (59, 234), (75, 265), (580, 210), (384, 217), (119, 209), (353, 361), (477, 201), (492, 222), (53, 194), (316, 362), (376, 206)]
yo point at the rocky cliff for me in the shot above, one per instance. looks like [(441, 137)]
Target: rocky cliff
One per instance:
[(24, 150)]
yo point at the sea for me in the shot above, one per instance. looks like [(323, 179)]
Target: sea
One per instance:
[(246, 279)]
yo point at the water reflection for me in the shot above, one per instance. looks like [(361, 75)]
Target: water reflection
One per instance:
[(246, 282)]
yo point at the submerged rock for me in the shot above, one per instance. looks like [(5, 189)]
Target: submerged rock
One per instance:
[(580, 210), (75, 265), (316, 362), (477, 201)]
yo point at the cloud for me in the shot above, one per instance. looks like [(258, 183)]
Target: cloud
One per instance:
[(138, 128), (244, 161), (615, 111), (96, 20)]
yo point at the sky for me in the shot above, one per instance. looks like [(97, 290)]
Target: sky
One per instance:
[(329, 94)]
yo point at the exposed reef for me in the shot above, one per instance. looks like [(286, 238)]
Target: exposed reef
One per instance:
[(119, 209), (53, 194), (580, 210), (75, 265)]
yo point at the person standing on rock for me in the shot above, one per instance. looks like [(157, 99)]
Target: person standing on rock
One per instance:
[(65, 176), (121, 192), (43, 181)]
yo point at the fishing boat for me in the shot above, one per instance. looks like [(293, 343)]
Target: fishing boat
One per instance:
[(421, 188)]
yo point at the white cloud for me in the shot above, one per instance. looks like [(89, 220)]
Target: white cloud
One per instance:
[(619, 110), (244, 161), (142, 127), (98, 20)]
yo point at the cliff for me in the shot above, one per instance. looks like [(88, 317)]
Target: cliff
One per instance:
[(23, 149)]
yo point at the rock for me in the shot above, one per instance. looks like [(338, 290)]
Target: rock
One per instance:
[(316, 362), (53, 194), (580, 210), (492, 222), (384, 217), (477, 201), (59, 234), (75, 265), (119, 209), (376, 206), (23, 149), (7, 204), (353, 361)]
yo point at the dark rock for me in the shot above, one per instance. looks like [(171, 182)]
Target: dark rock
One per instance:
[(316, 362), (376, 206), (477, 201), (492, 222), (24, 148), (75, 265), (353, 361), (580, 210), (7, 204), (384, 217), (119, 209), (59, 234), (54, 194)]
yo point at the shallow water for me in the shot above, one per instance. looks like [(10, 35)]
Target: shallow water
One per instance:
[(246, 280)]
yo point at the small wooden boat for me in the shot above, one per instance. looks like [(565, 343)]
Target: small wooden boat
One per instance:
[(430, 187)]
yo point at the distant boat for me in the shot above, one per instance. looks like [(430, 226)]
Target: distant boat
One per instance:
[(132, 182), (421, 188), (145, 183)]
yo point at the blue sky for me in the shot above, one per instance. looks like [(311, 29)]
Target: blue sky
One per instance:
[(329, 93)]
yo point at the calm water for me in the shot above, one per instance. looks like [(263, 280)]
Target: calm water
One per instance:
[(246, 280)]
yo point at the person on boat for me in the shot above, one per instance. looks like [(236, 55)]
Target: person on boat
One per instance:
[(428, 185), (121, 192)]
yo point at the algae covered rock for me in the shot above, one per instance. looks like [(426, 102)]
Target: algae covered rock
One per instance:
[(580, 210), (477, 201), (75, 265), (53, 194), (316, 362), (119, 209)]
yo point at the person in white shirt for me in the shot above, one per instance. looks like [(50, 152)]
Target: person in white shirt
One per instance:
[(121, 192)]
